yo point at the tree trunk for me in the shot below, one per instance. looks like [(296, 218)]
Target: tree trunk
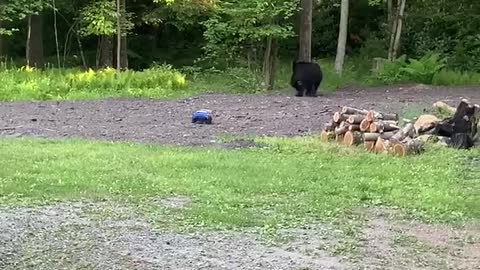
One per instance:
[(106, 52), (305, 38), (34, 53), (398, 33), (393, 28), (123, 41), (55, 29), (342, 37), (119, 36), (1, 42), (80, 48), (269, 63), (124, 55)]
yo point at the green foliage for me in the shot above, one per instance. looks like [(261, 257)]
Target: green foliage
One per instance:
[(291, 181), (425, 68), (421, 70), (182, 14), (100, 18), (240, 26), (449, 27), (28, 83)]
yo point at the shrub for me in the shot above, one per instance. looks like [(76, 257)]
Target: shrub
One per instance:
[(412, 70), (27, 83)]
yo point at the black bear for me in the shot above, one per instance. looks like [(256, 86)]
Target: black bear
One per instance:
[(306, 78)]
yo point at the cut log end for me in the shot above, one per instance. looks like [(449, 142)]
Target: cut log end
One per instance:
[(408, 148), (339, 138), (339, 117), (326, 136), (352, 138), (355, 119), (369, 146), (382, 145), (364, 125)]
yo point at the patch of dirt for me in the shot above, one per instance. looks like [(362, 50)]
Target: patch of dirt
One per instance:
[(394, 243), (178, 202), (107, 235), (169, 122), (66, 236)]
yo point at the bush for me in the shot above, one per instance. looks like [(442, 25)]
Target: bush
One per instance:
[(412, 70), (28, 83)]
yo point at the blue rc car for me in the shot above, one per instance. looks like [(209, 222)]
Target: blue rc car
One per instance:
[(202, 117)]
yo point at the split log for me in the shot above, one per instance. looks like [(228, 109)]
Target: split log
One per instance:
[(370, 136), (354, 127), (339, 117), (369, 145), (352, 138), (364, 125), (375, 136), (355, 119), (382, 145), (339, 139), (408, 148), (341, 130), (407, 131), (383, 126), (372, 116), (350, 110), (425, 122), (343, 124), (326, 136)]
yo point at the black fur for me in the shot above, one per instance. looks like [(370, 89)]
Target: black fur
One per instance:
[(306, 78)]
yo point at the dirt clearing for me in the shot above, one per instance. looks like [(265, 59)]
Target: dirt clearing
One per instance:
[(78, 236), (169, 122)]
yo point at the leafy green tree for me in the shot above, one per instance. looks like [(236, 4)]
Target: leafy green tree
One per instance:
[(249, 29)]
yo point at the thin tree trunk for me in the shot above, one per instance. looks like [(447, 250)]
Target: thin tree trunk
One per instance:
[(396, 45), (1, 40), (80, 48), (119, 37), (56, 32), (34, 53), (305, 38), (393, 30), (267, 72), (342, 37), (124, 43), (124, 53), (389, 13)]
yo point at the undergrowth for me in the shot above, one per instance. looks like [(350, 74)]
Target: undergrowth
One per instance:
[(164, 81)]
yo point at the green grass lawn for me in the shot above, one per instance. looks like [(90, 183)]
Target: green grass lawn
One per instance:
[(288, 182)]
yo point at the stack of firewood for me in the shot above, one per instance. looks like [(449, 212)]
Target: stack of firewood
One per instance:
[(381, 132), (378, 132)]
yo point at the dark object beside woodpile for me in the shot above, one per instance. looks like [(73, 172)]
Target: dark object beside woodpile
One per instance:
[(381, 133)]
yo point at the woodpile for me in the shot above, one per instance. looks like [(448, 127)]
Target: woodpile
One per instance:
[(381, 133)]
